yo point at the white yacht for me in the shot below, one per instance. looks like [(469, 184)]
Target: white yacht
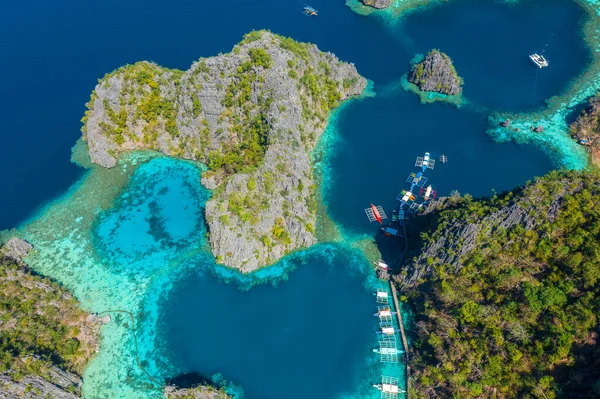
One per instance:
[(539, 60)]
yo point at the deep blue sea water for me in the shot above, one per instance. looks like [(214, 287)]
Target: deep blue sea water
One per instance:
[(304, 338), (53, 53), (264, 338)]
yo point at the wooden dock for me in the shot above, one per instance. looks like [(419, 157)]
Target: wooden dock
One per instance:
[(402, 333)]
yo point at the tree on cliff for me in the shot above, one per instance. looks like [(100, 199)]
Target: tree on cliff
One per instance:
[(517, 315)]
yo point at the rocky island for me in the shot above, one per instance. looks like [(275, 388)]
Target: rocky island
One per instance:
[(506, 291), (253, 116), (436, 74), (379, 4)]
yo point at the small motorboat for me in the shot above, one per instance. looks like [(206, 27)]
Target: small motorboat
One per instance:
[(311, 12)]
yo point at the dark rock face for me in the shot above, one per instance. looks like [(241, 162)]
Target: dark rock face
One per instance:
[(456, 238), (57, 385), (436, 74), (377, 3)]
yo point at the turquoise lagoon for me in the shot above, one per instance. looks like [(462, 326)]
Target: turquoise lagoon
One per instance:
[(306, 322)]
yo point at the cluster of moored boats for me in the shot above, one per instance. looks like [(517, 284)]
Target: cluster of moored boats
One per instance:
[(388, 348)]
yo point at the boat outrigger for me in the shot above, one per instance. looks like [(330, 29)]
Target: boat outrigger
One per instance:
[(387, 351), (375, 213), (311, 12), (387, 331), (384, 311), (539, 60), (389, 387)]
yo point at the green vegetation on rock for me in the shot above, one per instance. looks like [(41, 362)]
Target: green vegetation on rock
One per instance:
[(41, 328), (517, 314), (253, 116)]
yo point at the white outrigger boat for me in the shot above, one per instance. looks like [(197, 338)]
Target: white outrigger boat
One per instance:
[(389, 387), (381, 263), (387, 351), (387, 331), (539, 60), (384, 311)]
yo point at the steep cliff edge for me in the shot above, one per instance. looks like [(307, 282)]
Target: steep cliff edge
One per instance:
[(506, 293), (455, 226), (45, 339), (253, 116), (436, 74)]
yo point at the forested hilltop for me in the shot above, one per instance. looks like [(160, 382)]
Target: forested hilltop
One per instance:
[(507, 293)]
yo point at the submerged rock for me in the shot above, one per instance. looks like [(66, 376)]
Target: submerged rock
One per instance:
[(377, 3), (537, 129), (436, 74), (253, 116)]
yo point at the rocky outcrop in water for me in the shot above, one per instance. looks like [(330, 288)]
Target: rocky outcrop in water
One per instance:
[(40, 321), (436, 74), (377, 3), (253, 116), (456, 226), (586, 129), (200, 392)]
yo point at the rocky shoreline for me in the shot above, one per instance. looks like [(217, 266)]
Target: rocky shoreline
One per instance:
[(253, 116)]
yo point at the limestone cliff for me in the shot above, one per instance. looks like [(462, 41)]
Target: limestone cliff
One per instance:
[(377, 3), (515, 273), (46, 340), (436, 74), (453, 227), (253, 116)]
